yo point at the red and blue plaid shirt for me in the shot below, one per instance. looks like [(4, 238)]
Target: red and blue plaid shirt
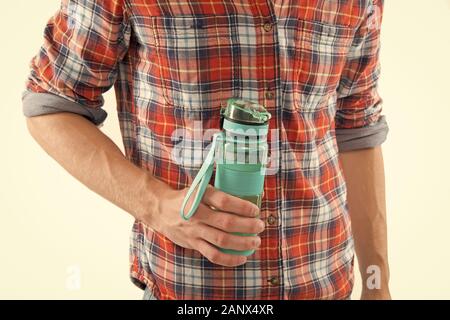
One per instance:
[(312, 63)]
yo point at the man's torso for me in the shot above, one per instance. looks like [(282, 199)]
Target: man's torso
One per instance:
[(185, 59)]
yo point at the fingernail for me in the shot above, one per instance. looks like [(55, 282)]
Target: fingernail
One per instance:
[(255, 211)]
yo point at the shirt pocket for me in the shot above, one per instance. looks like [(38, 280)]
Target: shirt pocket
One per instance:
[(194, 54), (320, 56)]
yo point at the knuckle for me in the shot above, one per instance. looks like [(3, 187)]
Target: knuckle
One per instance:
[(220, 239), (198, 245), (221, 200), (251, 227), (226, 223), (253, 242), (249, 206), (254, 228), (214, 257), (201, 232)]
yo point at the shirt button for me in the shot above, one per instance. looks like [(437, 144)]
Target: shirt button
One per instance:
[(271, 220), (274, 281), (267, 26), (269, 95)]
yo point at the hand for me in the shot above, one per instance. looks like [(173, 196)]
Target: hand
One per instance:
[(208, 228), (375, 294)]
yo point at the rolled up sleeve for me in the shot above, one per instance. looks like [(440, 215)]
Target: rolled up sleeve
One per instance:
[(77, 63), (359, 123)]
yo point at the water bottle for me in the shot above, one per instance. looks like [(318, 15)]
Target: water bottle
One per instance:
[(239, 152)]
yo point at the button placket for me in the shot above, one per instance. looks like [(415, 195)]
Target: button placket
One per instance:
[(270, 94)]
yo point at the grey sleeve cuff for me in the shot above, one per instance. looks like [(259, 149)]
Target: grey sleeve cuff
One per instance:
[(36, 104), (362, 138)]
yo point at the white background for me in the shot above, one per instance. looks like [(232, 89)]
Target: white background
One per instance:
[(51, 225)]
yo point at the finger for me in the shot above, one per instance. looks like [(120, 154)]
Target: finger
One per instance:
[(218, 257), (227, 240), (226, 202), (228, 222)]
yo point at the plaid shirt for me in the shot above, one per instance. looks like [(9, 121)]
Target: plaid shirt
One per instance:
[(312, 63)]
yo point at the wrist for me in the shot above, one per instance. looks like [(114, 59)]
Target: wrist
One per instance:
[(151, 194), (376, 294)]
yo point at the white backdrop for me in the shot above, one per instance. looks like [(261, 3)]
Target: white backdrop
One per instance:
[(52, 228)]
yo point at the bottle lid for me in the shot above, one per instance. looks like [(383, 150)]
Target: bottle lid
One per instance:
[(245, 111)]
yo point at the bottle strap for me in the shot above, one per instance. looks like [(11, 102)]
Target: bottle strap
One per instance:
[(201, 180)]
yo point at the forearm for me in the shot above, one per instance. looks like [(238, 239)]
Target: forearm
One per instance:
[(91, 157), (364, 175)]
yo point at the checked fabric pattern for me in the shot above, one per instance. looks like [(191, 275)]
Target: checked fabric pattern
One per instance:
[(312, 63)]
